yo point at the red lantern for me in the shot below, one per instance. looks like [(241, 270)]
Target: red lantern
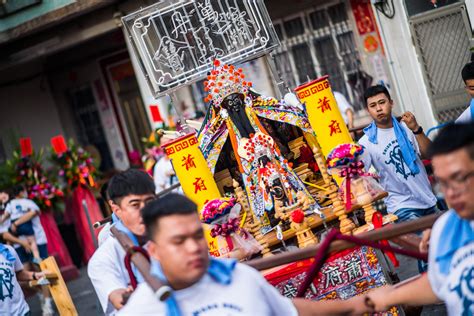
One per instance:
[(26, 148), (59, 144)]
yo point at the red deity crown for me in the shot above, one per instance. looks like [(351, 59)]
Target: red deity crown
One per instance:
[(223, 81)]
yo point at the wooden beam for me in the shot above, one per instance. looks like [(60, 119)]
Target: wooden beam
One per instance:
[(58, 288), (161, 290), (384, 233)]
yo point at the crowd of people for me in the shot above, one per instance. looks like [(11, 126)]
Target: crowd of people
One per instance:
[(169, 229), (21, 227)]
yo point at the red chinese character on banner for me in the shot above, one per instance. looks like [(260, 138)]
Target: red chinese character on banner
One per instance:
[(188, 162), (199, 185), (335, 128), (324, 104)]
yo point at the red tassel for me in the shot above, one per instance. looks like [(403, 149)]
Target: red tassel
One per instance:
[(377, 221), (59, 144), (26, 148)]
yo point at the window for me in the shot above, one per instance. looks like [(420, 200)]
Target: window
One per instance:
[(8, 7), (318, 43), (88, 125)]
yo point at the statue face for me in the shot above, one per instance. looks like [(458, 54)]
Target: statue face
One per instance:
[(233, 102)]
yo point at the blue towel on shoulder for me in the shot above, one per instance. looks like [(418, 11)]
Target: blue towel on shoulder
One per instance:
[(220, 271), (471, 106), (457, 232), (4, 251), (408, 152)]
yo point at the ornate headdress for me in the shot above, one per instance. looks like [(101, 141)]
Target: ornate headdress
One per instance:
[(223, 81)]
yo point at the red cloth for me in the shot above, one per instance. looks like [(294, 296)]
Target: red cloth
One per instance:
[(377, 221), (56, 246), (81, 223)]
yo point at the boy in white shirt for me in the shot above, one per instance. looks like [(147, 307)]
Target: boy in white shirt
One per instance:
[(203, 285), (5, 235), (127, 192), (394, 149), (450, 274), (467, 75), (12, 300), (15, 210)]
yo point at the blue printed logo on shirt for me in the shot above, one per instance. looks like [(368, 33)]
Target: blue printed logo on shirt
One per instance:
[(6, 283), (465, 290), (396, 159)]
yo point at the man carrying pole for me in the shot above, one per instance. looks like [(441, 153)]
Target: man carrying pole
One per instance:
[(451, 252), (128, 192), (202, 284)]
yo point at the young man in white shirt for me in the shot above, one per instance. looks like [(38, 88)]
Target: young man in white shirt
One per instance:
[(127, 192), (203, 285), (450, 274), (345, 108), (467, 75), (394, 149), (12, 300)]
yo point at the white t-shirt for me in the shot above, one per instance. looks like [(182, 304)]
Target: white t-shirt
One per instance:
[(5, 226), (161, 174), (107, 272), (343, 104), (104, 233), (405, 190), (465, 117), (27, 205), (455, 289), (12, 300), (19, 207), (248, 294)]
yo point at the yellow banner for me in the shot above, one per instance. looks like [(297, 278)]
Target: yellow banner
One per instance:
[(194, 175), (323, 114)]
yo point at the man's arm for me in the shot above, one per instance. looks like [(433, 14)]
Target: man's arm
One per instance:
[(350, 118), (106, 277), (119, 297), (4, 217), (354, 306), (15, 240), (416, 292), (423, 142), (27, 217), (24, 275)]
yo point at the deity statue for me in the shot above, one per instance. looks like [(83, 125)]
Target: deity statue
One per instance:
[(234, 114)]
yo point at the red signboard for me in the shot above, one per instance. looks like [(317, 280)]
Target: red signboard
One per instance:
[(344, 275), (363, 16)]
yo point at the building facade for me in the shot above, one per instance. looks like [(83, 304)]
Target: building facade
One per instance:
[(66, 68)]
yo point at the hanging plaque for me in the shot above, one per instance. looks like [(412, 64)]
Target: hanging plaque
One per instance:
[(177, 41)]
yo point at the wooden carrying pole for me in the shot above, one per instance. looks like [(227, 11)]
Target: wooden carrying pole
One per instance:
[(161, 290), (384, 233), (58, 288)]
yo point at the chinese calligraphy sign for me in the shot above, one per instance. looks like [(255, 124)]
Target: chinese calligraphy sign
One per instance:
[(177, 41), (344, 275), (188, 162), (324, 104), (324, 114), (195, 177)]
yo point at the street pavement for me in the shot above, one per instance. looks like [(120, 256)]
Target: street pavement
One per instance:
[(86, 302)]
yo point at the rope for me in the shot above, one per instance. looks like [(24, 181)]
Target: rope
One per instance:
[(334, 234), (128, 263)]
